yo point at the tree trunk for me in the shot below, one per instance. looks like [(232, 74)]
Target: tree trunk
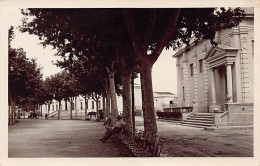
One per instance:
[(28, 109), (133, 100), (23, 112), (71, 103), (76, 107), (108, 104), (59, 110), (9, 115), (114, 109), (98, 115), (86, 108), (108, 96), (12, 112), (104, 105), (38, 111), (127, 105), (41, 110), (150, 127), (49, 107)]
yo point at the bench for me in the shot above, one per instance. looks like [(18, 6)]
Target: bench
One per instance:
[(137, 145)]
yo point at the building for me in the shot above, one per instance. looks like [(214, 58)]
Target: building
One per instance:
[(220, 78), (164, 100), (161, 100), (78, 107)]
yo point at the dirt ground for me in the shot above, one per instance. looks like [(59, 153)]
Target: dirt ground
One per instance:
[(182, 141), (58, 138), (78, 138)]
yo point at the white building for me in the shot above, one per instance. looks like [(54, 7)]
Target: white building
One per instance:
[(164, 100), (161, 100), (220, 79)]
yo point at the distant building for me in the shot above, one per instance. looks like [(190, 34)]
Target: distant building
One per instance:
[(164, 100), (78, 106), (221, 78), (161, 100)]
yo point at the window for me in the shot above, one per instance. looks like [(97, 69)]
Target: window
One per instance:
[(81, 106), (191, 69), (56, 107), (93, 104), (201, 65), (52, 107)]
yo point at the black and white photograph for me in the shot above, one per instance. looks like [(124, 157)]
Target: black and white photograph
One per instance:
[(152, 82)]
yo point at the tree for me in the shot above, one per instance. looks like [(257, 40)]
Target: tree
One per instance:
[(56, 84), (24, 77), (151, 30), (74, 31), (71, 88)]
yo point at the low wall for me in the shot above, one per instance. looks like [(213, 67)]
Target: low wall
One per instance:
[(221, 119), (240, 113)]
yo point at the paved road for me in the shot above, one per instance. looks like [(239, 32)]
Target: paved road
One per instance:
[(58, 138)]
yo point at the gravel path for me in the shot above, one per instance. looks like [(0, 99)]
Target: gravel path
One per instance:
[(78, 138), (58, 138)]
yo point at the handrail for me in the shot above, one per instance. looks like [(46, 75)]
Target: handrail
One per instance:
[(224, 113)]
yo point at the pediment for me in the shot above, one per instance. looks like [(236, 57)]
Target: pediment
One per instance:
[(220, 55)]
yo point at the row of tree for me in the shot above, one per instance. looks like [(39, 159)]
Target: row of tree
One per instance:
[(25, 80), (28, 91), (103, 48)]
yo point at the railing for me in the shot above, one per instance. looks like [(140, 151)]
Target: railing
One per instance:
[(175, 113), (179, 109)]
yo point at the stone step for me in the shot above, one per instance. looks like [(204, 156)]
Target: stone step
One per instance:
[(199, 115), (200, 118), (196, 126), (199, 121)]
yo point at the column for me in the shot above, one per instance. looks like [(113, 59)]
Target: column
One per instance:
[(229, 83), (213, 86)]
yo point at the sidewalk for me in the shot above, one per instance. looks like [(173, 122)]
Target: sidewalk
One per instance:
[(58, 138)]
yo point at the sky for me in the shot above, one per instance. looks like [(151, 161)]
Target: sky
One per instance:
[(163, 72)]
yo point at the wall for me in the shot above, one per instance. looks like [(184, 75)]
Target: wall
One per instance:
[(240, 113)]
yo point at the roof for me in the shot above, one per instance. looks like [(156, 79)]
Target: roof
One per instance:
[(164, 93)]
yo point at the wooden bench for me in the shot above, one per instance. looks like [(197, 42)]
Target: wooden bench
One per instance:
[(137, 145)]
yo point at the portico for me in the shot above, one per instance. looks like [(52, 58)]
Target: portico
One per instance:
[(221, 60)]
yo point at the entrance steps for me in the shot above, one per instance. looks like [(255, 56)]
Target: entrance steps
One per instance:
[(199, 120)]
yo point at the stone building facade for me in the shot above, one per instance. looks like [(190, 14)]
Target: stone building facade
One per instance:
[(220, 78)]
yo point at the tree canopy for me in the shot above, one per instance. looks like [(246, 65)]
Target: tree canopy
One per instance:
[(115, 38)]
